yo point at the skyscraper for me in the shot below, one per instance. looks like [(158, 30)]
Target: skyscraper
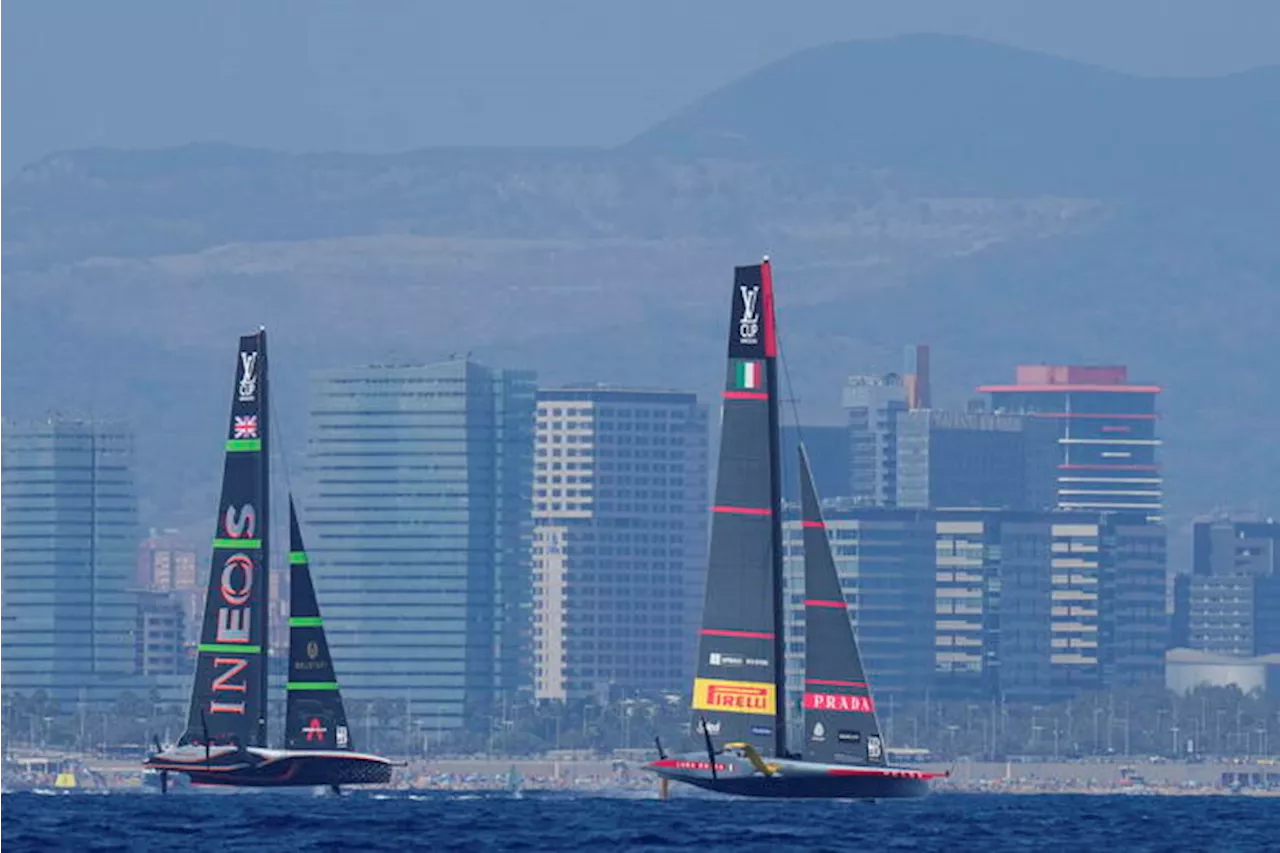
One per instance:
[(872, 405), (417, 516), (1106, 434), (620, 499), (1230, 603), (69, 559)]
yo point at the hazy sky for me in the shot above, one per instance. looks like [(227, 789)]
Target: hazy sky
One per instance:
[(392, 75)]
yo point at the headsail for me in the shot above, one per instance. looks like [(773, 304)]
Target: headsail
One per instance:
[(229, 696), (314, 716), (739, 688), (840, 724)]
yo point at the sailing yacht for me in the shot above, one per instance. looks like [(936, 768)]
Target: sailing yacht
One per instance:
[(225, 742), (739, 692)]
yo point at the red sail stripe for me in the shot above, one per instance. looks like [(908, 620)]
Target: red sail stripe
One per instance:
[(745, 395), (770, 335), (817, 602), (743, 510), (752, 635), (834, 683)]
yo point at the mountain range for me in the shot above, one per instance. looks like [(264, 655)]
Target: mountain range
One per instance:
[(1007, 207)]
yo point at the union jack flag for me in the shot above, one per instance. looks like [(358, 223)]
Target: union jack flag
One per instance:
[(246, 426)]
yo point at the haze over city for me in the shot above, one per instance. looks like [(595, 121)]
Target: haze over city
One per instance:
[(1023, 264)]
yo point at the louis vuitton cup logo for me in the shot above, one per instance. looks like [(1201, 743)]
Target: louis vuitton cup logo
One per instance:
[(248, 389), (749, 322)]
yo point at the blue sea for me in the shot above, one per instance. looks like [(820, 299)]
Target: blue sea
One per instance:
[(263, 821)]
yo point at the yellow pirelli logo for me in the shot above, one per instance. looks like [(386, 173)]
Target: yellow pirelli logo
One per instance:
[(738, 697)]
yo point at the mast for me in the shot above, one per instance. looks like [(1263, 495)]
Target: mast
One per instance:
[(775, 505), (739, 688), (840, 722), (314, 714), (229, 693)]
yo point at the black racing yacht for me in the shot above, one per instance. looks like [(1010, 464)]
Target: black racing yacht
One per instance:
[(225, 742), (739, 692)]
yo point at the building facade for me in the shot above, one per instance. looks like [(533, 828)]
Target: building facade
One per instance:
[(872, 405), (1107, 444), (70, 538), (975, 459), (417, 520), (1230, 603), (619, 543), (1031, 606)]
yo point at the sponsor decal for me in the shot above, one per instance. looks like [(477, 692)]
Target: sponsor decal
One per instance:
[(873, 748), (314, 730), (838, 702), (342, 737), (681, 764), (748, 375), (849, 737), (819, 732), (710, 728), (245, 426), (736, 697), (233, 622), (719, 659), (762, 731), (248, 388), (313, 650), (749, 320)]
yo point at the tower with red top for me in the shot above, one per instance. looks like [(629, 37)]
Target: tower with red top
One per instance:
[(1107, 441)]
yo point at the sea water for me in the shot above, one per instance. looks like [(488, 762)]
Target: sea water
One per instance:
[(248, 822)]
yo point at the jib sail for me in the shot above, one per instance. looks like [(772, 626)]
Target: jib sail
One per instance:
[(840, 724), (314, 716)]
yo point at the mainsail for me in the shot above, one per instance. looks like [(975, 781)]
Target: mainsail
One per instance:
[(229, 696), (840, 724), (314, 716), (739, 688)]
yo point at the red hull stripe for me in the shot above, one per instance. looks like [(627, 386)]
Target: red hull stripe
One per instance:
[(742, 510), (753, 635), (890, 772), (814, 602), (813, 524), (745, 395), (1091, 416), (835, 683), (1109, 467)]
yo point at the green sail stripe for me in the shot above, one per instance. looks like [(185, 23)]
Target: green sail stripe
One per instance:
[(231, 647), (238, 544), (305, 621), (244, 445), (297, 558), (312, 685)]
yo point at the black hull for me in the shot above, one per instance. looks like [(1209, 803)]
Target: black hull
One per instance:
[(818, 787), (278, 769)]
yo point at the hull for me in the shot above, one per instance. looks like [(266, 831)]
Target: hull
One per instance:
[(272, 768), (795, 779)]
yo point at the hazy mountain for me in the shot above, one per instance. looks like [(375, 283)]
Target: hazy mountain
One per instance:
[(1005, 206)]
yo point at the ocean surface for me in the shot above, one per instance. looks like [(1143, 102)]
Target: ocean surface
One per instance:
[(259, 821)]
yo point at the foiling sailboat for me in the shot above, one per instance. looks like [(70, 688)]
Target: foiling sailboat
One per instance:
[(739, 692), (226, 737)]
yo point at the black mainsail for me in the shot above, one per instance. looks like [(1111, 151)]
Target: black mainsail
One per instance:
[(739, 688), (314, 716), (229, 696), (839, 714)]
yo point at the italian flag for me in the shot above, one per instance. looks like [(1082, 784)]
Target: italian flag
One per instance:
[(748, 375)]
